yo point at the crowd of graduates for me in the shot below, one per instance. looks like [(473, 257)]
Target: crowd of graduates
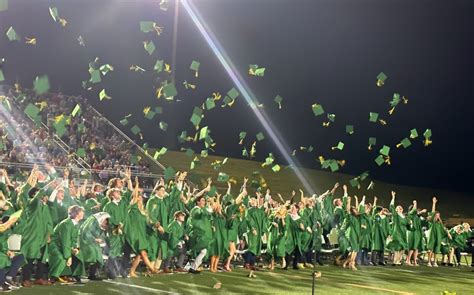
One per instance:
[(108, 231)]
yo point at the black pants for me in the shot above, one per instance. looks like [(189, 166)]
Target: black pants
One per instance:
[(125, 265), (41, 268), (93, 268), (250, 258), (15, 265), (377, 257), (296, 256)]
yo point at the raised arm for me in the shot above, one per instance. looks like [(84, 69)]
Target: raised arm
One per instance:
[(433, 207)]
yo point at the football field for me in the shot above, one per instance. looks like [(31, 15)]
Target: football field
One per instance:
[(334, 280)]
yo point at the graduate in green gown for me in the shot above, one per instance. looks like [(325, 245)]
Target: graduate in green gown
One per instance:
[(64, 258), (219, 235), (398, 233), (136, 231), (352, 232), (365, 211), (9, 261), (157, 209), (460, 233), (380, 232), (176, 243), (92, 237), (277, 238), (36, 230), (437, 233), (415, 234)]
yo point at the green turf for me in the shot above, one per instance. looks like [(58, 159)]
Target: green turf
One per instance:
[(451, 204), (334, 280)]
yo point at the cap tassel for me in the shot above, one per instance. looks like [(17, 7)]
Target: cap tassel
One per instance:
[(380, 83)]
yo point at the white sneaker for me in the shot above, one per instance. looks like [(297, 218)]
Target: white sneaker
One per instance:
[(429, 264), (435, 265)]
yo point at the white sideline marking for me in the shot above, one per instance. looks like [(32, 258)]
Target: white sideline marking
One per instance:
[(158, 291), (380, 289)]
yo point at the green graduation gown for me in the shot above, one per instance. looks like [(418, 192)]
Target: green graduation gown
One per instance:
[(255, 221), (89, 231), (118, 216), (436, 235), (415, 233), (398, 231), (158, 211), (63, 240), (219, 235), (201, 229), (174, 234), (136, 231)]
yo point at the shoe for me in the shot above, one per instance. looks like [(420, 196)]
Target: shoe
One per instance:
[(42, 282), (193, 271), (167, 270), (300, 266), (12, 285), (95, 278), (309, 265), (179, 269), (382, 263), (435, 264), (5, 288), (27, 284), (450, 264)]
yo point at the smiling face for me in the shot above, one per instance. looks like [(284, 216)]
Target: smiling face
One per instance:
[(399, 209)]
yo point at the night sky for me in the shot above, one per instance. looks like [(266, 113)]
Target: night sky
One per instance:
[(327, 52)]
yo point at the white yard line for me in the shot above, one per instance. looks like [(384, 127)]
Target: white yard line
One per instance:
[(380, 289), (157, 291)]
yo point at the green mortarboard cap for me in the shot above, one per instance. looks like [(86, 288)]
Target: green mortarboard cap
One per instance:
[(210, 104), (135, 129), (260, 72), (204, 153), (233, 93), (242, 134), (158, 66), (222, 177), (245, 153), (81, 152), (160, 153), (227, 100), (385, 150), (145, 146), (189, 152), (53, 11), (373, 117), (95, 76), (76, 110), (334, 166), (364, 175), (331, 117), (195, 65), (372, 141), (405, 142), (124, 121), (169, 173), (340, 146), (317, 109), (350, 129), (197, 116), (427, 133), (147, 26), (3, 5), (382, 77), (354, 182), (276, 168), (379, 160), (2, 77), (163, 126), (60, 128), (413, 133), (260, 136), (182, 137), (41, 85), (203, 133), (159, 110), (150, 115), (12, 35), (32, 111), (170, 90), (310, 149), (104, 69), (278, 99), (103, 95), (149, 47), (81, 127)]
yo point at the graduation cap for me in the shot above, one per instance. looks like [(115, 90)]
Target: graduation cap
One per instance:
[(80, 39), (204, 153), (373, 117), (254, 70), (413, 133), (340, 146), (76, 110), (159, 110), (124, 121), (104, 69), (379, 160), (95, 76), (204, 133), (103, 95), (278, 99), (385, 150), (60, 128), (32, 111), (170, 90), (81, 152), (350, 129), (41, 85), (196, 117), (169, 173), (372, 141), (53, 11), (260, 136), (317, 109), (331, 118), (160, 153), (405, 143), (149, 47), (276, 168), (189, 152), (354, 182), (12, 35), (222, 177), (183, 137), (164, 5), (158, 66), (150, 115), (3, 5), (381, 79), (135, 129), (147, 26), (195, 67), (163, 125), (427, 134), (210, 103)]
